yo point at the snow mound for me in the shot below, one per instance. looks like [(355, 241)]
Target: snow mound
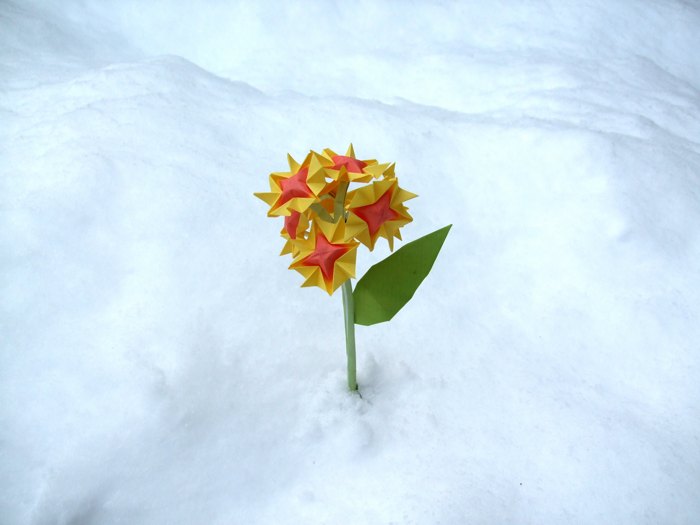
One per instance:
[(158, 362)]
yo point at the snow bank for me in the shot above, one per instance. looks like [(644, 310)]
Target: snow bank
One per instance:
[(160, 365)]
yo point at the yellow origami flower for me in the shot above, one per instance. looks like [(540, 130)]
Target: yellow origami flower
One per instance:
[(351, 169), (324, 223), (377, 210), (326, 259), (297, 189)]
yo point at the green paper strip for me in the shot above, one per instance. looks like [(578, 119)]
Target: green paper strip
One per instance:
[(389, 285)]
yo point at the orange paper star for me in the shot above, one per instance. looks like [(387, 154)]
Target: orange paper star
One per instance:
[(297, 189), (377, 210), (325, 259)]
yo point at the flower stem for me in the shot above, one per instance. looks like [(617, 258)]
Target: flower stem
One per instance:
[(322, 213), (339, 205), (349, 311)]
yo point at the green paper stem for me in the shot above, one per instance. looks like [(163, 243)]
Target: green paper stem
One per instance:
[(339, 208), (349, 314), (322, 212)]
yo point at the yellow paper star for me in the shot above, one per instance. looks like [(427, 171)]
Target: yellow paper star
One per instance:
[(297, 189), (377, 210), (326, 259), (351, 169)]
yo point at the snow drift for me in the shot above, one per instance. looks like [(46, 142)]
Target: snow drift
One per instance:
[(160, 365)]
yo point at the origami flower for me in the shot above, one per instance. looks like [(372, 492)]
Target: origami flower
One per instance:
[(349, 168), (324, 223), (325, 259), (297, 189), (377, 211)]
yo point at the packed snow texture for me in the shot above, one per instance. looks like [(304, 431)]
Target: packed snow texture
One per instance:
[(160, 364)]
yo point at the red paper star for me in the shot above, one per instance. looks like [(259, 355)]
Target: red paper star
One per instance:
[(294, 186), (351, 164), (377, 213), (325, 255)]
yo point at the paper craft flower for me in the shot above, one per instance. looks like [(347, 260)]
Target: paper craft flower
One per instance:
[(349, 168), (377, 211), (314, 194), (324, 223), (325, 259), (294, 190)]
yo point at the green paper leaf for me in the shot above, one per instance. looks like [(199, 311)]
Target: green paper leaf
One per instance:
[(389, 285)]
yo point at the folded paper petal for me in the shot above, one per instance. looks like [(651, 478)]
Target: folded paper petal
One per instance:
[(347, 167), (295, 190), (295, 228), (325, 259), (377, 210)]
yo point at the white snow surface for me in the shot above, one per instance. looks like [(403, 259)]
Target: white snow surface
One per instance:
[(160, 364)]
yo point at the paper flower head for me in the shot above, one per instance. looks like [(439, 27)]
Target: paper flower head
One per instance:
[(324, 223)]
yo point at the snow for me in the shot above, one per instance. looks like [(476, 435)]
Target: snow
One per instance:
[(160, 364)]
